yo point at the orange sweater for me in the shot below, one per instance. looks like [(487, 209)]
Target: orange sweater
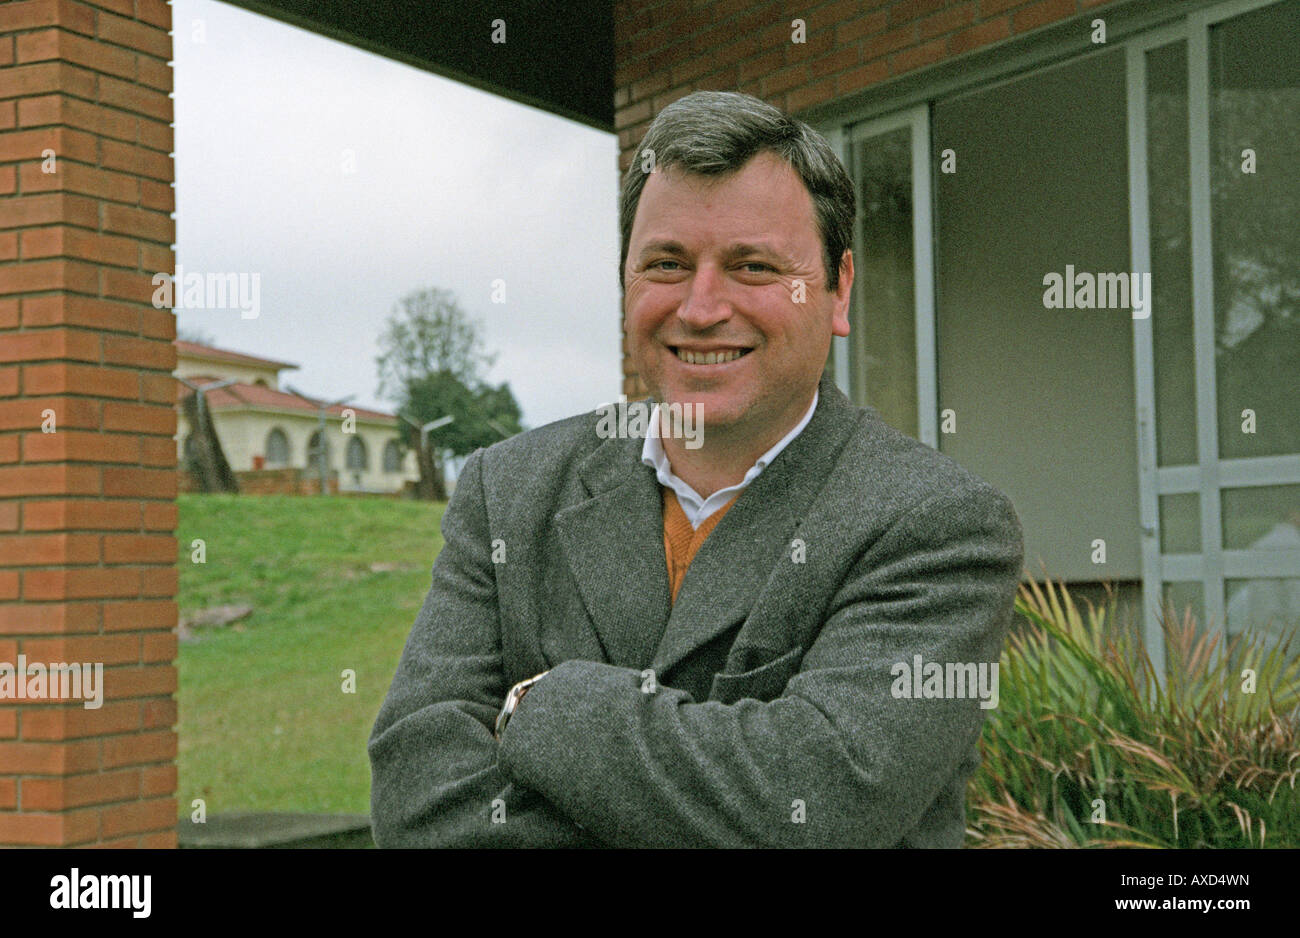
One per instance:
[(681, 541)]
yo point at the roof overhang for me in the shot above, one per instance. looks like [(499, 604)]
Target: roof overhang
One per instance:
[(558, 56)]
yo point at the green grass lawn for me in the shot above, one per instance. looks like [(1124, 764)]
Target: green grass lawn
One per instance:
[(263, 721)]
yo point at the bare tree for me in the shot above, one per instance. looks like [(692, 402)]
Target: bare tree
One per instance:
[(428, 333)]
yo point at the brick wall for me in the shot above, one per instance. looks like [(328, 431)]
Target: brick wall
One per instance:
[(87, 512), (668, 49)]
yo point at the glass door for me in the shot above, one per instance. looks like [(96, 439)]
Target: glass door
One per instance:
[(1214, 139)]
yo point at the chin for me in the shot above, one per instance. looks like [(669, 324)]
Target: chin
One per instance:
[(716, 413)]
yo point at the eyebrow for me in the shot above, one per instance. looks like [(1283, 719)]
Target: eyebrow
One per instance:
[(732, 252), (662, 247)]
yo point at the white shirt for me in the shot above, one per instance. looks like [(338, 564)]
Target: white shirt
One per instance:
[(698, 509)]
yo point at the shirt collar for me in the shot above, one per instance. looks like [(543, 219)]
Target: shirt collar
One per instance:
[(654, 456)]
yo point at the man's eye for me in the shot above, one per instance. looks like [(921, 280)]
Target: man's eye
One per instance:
[(658, 265), (763, 268)]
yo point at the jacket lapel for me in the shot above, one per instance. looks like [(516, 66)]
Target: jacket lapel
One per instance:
[(614, 545), (738, 557)]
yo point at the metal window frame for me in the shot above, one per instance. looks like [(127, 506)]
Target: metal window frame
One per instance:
[(1212, 565), (917, 120), (1141, 28)]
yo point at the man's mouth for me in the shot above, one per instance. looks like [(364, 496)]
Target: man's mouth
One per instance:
[(713, 357)]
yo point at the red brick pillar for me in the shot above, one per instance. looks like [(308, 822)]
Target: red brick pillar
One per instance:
[(87, 459)]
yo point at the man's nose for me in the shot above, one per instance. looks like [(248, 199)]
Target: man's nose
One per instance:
[(706, 302)]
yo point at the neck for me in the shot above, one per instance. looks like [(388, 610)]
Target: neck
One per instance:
[(725, 456)]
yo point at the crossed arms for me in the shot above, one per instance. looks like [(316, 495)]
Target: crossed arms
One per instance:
[(591, 759)]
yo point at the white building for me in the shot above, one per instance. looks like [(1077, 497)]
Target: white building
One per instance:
[(262, 427)]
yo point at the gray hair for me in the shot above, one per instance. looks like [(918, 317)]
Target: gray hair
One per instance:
[(713, 133)]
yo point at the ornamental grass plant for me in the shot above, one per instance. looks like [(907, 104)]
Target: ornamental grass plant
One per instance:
[(1090, 746)]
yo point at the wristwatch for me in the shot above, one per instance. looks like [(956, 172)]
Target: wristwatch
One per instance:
[(512, 701)]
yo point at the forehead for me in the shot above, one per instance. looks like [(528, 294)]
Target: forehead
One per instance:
[(765, 197)]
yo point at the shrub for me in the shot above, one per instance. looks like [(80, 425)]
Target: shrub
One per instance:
[(1088, 748)]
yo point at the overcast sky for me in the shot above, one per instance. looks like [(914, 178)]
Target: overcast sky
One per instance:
[(451, 187)]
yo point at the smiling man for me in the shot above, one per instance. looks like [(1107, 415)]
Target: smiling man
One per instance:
[(633, 641), (727, 310)]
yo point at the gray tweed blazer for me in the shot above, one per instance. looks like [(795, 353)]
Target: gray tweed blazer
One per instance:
[(763, 708)]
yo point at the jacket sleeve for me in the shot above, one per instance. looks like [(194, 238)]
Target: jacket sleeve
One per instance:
[(840, 758), (434, 775)]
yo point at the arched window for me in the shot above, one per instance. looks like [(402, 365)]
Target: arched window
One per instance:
[(357, 457), (392, 457), (313, 452), (277, 448)]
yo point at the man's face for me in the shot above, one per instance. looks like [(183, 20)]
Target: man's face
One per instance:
[(728, 266)]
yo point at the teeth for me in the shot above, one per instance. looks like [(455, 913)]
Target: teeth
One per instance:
[(709, 358)]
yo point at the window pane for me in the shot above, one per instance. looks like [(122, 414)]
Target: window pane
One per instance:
[(1265, 517), (1180, 523), (882, 337), (1255, 115), (356, 454), (1267, 607), (1168, 206), (277, 448), (392, 457)]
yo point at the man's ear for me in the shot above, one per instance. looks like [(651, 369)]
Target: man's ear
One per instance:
[(842, 296)]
